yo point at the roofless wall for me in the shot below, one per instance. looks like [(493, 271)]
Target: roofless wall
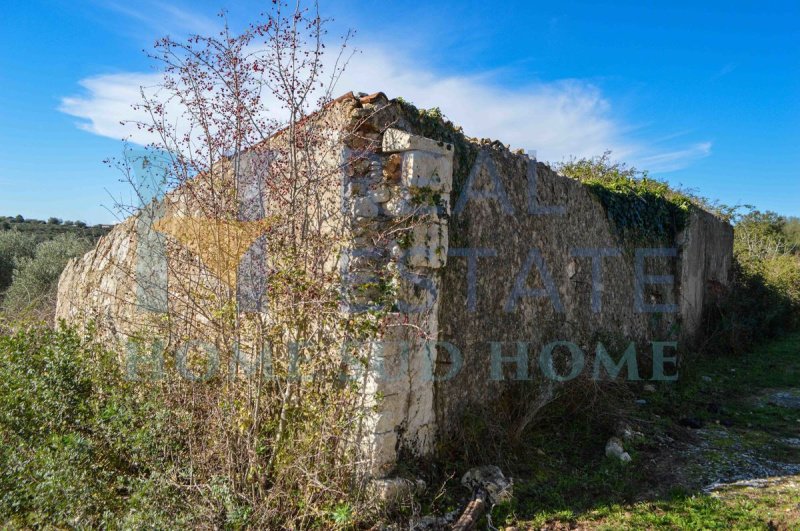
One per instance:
[(491, 279)]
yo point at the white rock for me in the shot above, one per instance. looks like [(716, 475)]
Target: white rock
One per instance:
[(491, 479), (614, 449), (422, 169), (396, 140), (363, 207), (394, 490), (398, 207), (380, 194), (572, 269)]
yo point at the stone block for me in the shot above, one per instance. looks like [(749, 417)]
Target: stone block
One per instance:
[(395, 140), (394, 490), (380, 194), (398, 206), (364, 207), (429, 246), (423, 169)]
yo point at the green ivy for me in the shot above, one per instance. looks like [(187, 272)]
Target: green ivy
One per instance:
[(642, 209)]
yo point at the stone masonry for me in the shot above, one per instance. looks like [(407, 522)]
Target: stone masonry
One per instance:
[(443, 225)]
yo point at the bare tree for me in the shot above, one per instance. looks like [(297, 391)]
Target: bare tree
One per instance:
[(243, 244)]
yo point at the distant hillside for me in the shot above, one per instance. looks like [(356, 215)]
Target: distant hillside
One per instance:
[(52, 227)]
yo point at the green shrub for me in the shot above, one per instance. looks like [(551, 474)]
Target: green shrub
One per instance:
[(81, 446), (641, 208), (792, 231), (759, 236), (14, 247), (35, 280), (764, 299)]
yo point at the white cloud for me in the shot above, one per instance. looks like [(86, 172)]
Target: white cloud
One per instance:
[(557, 119), (108, 101)]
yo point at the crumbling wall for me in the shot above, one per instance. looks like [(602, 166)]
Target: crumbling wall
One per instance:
[(400, 209), (585, 285), (472, 260), (706, 259)]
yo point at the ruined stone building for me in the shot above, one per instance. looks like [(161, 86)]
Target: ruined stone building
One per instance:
[(512, 265)]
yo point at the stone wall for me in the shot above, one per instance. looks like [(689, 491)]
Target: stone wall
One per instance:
[(464, 251), (400, 209), (518, 215)]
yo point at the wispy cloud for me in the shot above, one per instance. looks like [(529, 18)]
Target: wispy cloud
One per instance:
[(108, 101), (725, 70), (676, 160), (558, 119), (161, 18), (567, 117)]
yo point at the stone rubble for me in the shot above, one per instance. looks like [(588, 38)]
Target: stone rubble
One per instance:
[(614, 449)]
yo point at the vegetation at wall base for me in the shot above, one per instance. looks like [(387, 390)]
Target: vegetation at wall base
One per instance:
[(84, 445)]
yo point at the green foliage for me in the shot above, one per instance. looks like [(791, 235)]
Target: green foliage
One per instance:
[(81, 446), (35, 279), (764, 300), (642, 209), (791, 229), (342, 515), (761, 235), (31, 262), (14, 247), (764, 248), (52, 227)]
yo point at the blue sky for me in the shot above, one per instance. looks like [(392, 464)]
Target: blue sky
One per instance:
[(707, 97)]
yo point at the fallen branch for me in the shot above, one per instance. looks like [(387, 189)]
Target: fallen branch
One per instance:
[(468, 520)]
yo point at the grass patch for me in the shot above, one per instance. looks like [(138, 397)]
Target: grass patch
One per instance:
[(567, 481), (772, 507)]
